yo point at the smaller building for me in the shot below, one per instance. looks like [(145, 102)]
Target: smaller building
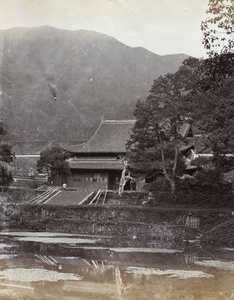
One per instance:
[(99, 162)]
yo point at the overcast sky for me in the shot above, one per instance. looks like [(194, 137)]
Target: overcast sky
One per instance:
[(161, 26)]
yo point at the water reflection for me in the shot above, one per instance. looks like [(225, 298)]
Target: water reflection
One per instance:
[(78, 267)]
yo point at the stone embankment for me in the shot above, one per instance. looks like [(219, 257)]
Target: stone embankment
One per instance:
[(148, 224)]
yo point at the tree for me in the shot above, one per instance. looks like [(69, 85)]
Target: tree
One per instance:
[(218, 28), (174, 100), (218, 123), (217, 73), (5, 175), (218, 32), (155, 143), (125, 177), (2, 129), (6, 157), (53, 161)]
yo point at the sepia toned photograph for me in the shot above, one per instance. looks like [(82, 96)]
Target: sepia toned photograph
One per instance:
[(116, 149)]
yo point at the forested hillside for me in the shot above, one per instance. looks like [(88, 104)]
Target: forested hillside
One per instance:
[(57, 84)]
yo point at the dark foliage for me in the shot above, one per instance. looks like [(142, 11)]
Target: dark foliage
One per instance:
[(156, 139), (6, 152), (215, 70), (174, 100), (5, 176), (53, 162), (2, 129), (216, 118), (6, 157)]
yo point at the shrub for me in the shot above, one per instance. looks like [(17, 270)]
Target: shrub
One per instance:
[(220, 234)]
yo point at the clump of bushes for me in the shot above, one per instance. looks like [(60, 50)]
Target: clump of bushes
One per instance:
[(20, 195), (192, 192), (221, 234)]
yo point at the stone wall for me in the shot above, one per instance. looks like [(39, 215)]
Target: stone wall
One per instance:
[(145, 223)]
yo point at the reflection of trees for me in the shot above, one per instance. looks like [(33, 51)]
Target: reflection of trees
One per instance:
[(121, 288), (119, 283)]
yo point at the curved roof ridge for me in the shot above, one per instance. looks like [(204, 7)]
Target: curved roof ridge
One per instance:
[(93, 136), (110, 137)]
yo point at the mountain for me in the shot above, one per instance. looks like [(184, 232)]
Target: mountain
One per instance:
[(57, 84)]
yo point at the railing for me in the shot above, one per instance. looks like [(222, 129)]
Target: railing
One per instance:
[(95, 198), (51, 192)]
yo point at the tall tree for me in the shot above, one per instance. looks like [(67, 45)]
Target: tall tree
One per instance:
[(218, 123), (217, 73), (161, 121), (53, 161), (218, 32), (218, 28)]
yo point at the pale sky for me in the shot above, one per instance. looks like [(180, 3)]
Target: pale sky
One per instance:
[(161, 26)]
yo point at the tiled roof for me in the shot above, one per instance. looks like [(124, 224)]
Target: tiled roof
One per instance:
[(201, 144), (35, 148), (110, 137), (184, 130), (96, 164)]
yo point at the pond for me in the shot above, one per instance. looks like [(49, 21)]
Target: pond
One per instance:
[(72, 266)]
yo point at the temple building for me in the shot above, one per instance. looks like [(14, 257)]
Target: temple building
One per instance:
[(99, 162)]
